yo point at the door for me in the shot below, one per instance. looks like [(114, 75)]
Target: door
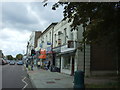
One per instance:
[(72, 72)]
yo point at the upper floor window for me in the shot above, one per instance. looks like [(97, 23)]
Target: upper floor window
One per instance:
[(55, 40), (46, 39), (50, 36), (65, 35), (59, 38), (70, 44)]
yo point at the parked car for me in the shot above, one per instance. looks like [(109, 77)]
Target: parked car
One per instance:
[(12, 63), (20, 63), (8, 61)]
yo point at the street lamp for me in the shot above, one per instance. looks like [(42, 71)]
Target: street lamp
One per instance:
[(59, 34), (84, 25)]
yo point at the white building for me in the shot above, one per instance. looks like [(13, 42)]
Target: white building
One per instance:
[(66, 45), (45, 42), (45, 38), (68, 55), (66, 51)]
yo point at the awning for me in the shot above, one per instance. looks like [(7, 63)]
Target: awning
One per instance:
[(42, 56), (50, 52), (68, 52), (42, 51)]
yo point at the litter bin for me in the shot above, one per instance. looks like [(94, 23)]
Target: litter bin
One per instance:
[(79, 79)]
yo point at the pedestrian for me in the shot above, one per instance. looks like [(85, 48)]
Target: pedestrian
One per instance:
[(27, 64), (32, 65), (38, 64), (48, 64)]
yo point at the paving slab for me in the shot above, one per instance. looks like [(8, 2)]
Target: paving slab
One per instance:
[(46, 79)]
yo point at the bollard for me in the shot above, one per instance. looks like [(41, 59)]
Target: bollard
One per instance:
[(79, 79)]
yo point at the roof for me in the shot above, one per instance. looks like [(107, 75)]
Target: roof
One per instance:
[(51, 25)]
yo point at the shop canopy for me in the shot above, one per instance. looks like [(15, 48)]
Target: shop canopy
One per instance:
[(42, 56), (43, 52), (50, 52)]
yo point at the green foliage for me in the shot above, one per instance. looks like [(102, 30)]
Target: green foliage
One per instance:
[(100, 19), (14, 58), (9, 57), (19, 56)]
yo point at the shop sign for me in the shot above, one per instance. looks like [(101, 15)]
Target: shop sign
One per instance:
[(49, 43), (41, 45), (58, 49), (65, 48)]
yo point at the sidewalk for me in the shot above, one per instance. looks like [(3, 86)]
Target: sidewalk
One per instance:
[(45, 79)]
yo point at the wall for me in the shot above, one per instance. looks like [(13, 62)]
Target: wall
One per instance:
[(103, 57)]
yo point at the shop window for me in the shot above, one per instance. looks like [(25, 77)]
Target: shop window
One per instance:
[(57, 63), (66, 64), (70, 44), (59, 42)]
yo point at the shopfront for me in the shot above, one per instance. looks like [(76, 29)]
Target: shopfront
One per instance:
[(42, 57), (57, 57), (67, 60)]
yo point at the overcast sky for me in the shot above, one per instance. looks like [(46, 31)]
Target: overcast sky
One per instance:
[(19, 19)]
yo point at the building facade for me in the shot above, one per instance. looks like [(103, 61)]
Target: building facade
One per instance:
[(63, 47), (45, 42), (65, 50), (32, 43), (67, 47)]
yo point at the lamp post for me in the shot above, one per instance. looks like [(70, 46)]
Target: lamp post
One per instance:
[(59, 34), (84, 46)]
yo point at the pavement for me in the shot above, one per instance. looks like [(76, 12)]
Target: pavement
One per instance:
[(45, 79)]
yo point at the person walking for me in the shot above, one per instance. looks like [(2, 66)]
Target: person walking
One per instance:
[(32, 65), (48, 66), (38, 64), (27, 64)]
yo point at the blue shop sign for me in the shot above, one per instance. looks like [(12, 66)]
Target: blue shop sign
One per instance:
[(41, 45), (49, 43)]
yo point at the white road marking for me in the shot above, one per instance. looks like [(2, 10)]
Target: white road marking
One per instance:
[(25, 83)]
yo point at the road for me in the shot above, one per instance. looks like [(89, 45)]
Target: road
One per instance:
[(15, 76)]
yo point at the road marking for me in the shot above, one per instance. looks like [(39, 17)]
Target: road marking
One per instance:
[(25, 83)]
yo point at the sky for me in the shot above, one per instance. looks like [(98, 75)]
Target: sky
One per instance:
[(19, 19)]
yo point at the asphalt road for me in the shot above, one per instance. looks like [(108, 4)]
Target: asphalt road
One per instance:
[(15, 76)]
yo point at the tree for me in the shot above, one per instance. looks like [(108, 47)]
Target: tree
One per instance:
[(14, 58), (19, 56), (9, 57), (100, 19)]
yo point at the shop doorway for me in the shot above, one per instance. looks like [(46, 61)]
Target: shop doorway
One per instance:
[(72, 70)]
